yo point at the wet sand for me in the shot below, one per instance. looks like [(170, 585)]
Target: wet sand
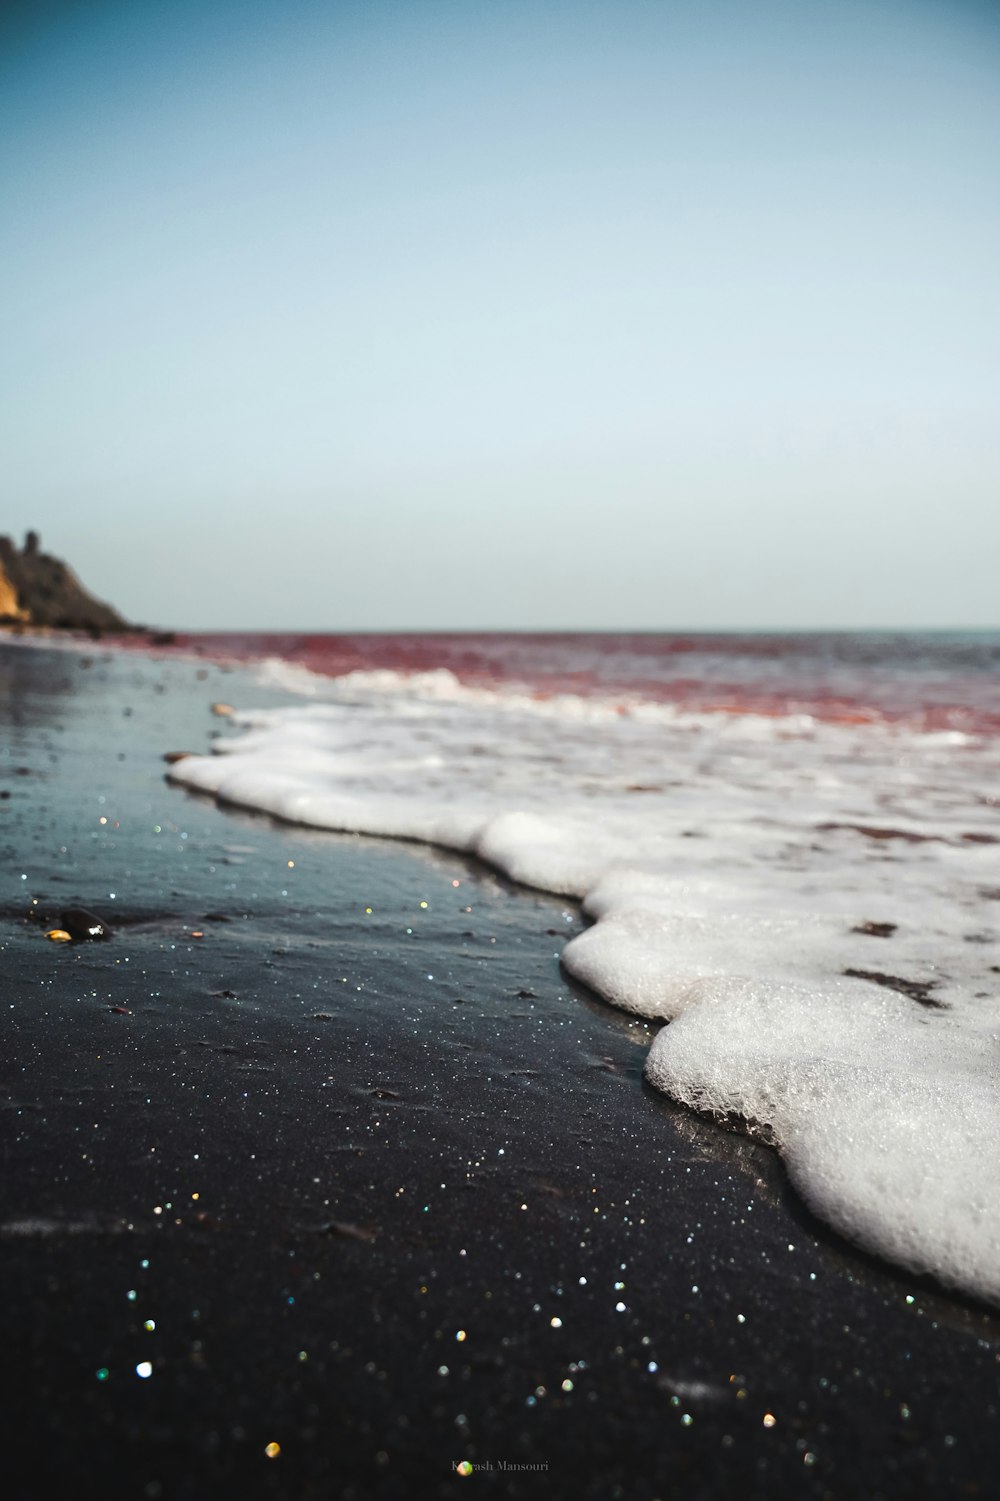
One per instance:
[(381, 1192)]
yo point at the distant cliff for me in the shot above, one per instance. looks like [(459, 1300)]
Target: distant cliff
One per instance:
[(36, 589)]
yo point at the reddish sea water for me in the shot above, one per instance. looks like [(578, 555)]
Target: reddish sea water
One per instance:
[(931, 680)]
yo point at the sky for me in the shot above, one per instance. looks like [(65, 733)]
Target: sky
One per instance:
[(511, 314)]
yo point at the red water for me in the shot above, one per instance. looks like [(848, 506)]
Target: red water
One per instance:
[(932, 680)]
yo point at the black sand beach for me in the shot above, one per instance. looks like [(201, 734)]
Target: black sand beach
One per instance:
[(328, 1201)]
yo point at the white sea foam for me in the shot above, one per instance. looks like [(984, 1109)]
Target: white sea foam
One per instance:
[(888, 1120), (729, 862)]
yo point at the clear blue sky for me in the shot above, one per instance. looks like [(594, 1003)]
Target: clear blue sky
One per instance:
[(510, 313)]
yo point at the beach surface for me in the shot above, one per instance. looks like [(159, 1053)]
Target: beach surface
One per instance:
[(323, 1178)]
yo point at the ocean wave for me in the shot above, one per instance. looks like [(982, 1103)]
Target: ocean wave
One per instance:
[(440, 685)]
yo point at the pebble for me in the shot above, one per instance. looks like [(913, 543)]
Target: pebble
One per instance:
[(81, 924)]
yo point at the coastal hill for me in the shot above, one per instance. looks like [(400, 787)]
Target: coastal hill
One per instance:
[(39, 590)]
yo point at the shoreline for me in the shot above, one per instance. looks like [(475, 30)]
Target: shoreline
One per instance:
[(293, 1079), (680, 935)]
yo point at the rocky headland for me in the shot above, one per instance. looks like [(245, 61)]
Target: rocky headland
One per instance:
[(40, 591)]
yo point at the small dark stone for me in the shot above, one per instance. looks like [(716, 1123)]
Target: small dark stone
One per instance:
[(524, 995), (917, 990), (81, 924), (346, 1231), (871, 831), (876, 929)]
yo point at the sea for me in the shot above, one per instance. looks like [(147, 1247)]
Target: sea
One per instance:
[(788, 847)]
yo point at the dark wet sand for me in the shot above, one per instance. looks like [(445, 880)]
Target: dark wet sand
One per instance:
[(392, 1199)]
